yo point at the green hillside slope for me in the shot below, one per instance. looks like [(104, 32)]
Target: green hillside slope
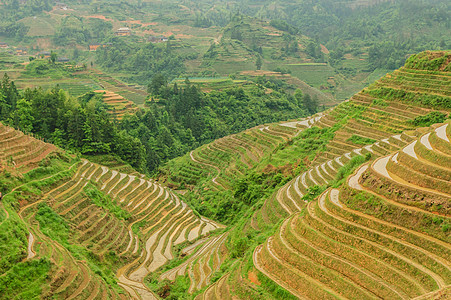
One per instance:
[(377, 122), (352, 202)]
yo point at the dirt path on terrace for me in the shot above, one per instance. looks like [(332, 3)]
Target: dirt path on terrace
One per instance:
[(84, 284), (438, 294), (6, 214), (31, 252), (206, 295)]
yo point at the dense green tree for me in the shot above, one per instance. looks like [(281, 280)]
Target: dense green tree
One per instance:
[(77, 124), (143, 60), (23, 115), (158, 82), (299, 96), (53, 57), (311, 104), (259, 62), (4, 106)]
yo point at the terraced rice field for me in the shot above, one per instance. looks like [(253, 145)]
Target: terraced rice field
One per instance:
[(202, 264), (288, 199), (208, 84), (228, 157), (118, 105), (40, 26), (21, 151), (133, 93), (341, 247), (155, 220), (75, 87), (383, 234)]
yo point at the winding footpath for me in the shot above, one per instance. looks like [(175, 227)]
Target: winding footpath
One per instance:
[(31, 252)]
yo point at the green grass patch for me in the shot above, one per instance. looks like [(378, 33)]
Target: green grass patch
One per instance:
[(170, 289), (52, 224), (307, 144), (39, 26), (359, 140), (40, 68), (13, 242), (431, 118), (313, 192), (349, 168), (274, 289), (25, 280), (136, 98), (56, 228), (380, 102), (104, 201), (411, 98), (307, 64), (2, 213)]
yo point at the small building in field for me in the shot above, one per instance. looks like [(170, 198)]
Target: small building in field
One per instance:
[(124, 31), (62, 60), (4, 45), (62, 6), (157, 39), (21, 51)]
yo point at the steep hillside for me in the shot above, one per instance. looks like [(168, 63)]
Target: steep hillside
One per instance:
[(247, 45), (377, 123), (245, 39), (359, 240), (353, 202), (91, 231), (21, 152)]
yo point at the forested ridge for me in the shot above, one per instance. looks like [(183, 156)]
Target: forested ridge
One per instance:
[(142, 60), (175, 122)]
